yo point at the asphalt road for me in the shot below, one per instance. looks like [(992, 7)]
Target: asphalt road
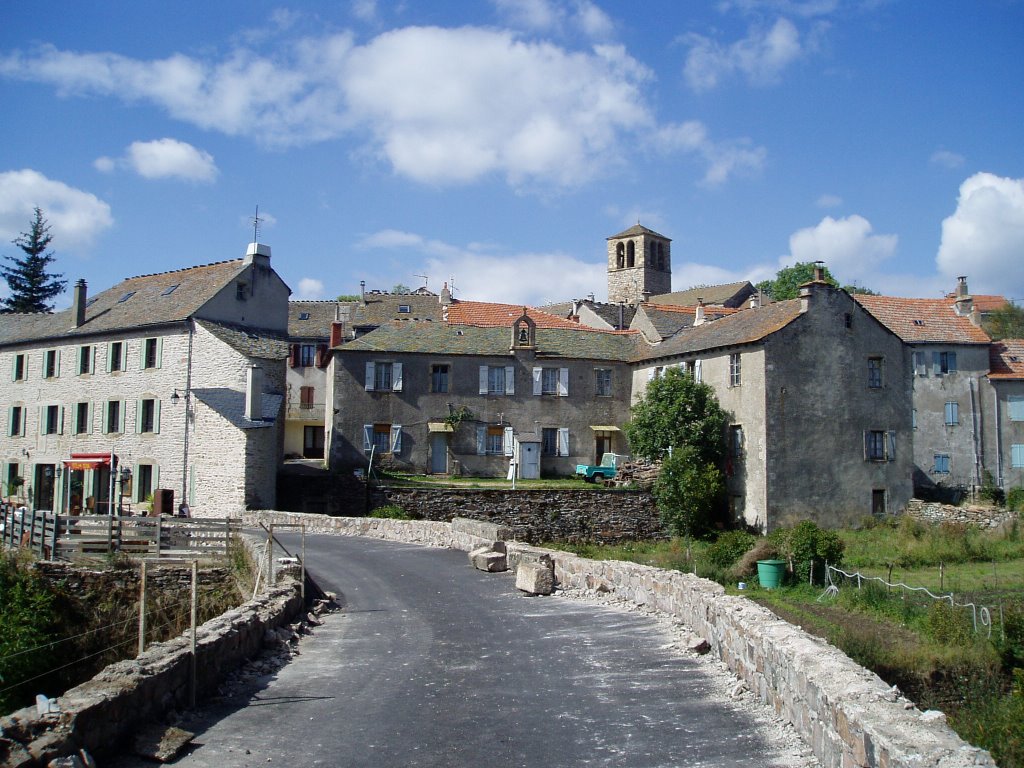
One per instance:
[(432, 663)]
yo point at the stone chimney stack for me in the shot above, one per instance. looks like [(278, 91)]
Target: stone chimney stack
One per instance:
[(78, 303), (819, 271), (254, 393), (964, 304), (446, 296), (698, 313), (755, 300), (362, 292), (258, 254)]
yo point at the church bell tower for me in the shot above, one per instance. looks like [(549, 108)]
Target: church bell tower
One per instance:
[(639, 265)]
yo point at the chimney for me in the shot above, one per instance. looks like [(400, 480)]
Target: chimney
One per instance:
[(258, 254), (755, 300), (964, 304), (78, 303), (337, 333), (576, 309), (645, 297), (698, 313), (362, 292), (446, 296), (254, 393), (590, 298), (819, 271)]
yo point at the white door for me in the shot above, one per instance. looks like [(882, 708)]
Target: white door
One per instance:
[(439, 453), (529, 461)]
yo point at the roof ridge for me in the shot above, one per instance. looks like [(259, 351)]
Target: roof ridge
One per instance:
[(184, 269)]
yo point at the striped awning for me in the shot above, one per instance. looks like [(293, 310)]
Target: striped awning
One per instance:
[(439, 426), (605, 428)]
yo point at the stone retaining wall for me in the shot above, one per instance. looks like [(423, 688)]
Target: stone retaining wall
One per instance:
[(98, 714), (845, 712), (982, 517), (603, 517)]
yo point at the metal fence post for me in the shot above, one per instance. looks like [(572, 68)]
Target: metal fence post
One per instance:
[(142, 608), (195, 614)]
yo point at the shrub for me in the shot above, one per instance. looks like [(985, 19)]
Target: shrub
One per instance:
[(991, 492), (729, 547), (949, 625), (27, 621), (807, 546), (1015, 499), (391, 512), (746, 566), (687, 490)]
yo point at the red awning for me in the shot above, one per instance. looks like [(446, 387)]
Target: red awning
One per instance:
[(80, 461)]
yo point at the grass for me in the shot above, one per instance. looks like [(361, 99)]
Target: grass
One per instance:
[(926, 647)]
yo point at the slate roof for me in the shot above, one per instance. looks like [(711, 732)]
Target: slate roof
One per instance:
[(923, 320), (440, 339), (637, 229), (230, 404), (728, 294), (1006, 359), (606, 311), (745, 327), (250, 342), (379, 308), (135, 302), (320, 315), (487, 314), (669, 320)]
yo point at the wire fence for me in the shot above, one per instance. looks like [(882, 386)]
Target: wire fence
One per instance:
[(981, 615)]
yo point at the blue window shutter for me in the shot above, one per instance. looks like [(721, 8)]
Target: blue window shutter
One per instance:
[(481, 440), (538, 373), (937, 363), (510, 380), (483, 381), (563, 382), (892, 445), (369, 377), (367, 437)]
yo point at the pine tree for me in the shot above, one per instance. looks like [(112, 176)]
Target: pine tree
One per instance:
[(30, 284)]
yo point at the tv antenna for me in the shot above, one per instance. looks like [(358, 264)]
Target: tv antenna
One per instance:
[(256, 220), (426, 279)]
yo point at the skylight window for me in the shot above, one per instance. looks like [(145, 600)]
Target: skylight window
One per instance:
[(404, 309), (126, 297), (919, 322), (169, 289), (303, 315)]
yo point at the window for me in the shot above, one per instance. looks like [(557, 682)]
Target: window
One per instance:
[(874, 373), (113, 417), (736, 441), (913, 418), (952, 414), (83, 418), (16, 421), (85, 360), (143, 481), (943, 362), (603, 382), (404, 309), (307, 355), (147, 416), (734, 369), (51, 420), (382, 438), (115, 356), (303, 315), (151, 349), (494, 440), (920, 360), (551, 381), (497, 380), (169, 289), (306, 397), (848, 321), (941, 464), (20, 368), (51, 364), (549, 442), (1017, 455), (384, 377), (1016, 407), (125, 297), (879, 445), (439, 378), (240, 291)]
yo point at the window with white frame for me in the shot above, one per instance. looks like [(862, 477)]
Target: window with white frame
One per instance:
[(874, 373), (554, 441), (439, 377), (1017, 455), (920, 363), (382, 438), (941, 464), (551, 381), (307, 355), (603, 382), (497, 380), (494, 440), (735, 377), (943, 362), (383, 377), (952, 414)]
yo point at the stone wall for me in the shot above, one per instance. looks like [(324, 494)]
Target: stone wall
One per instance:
[(846, 713), (165, 579), (982, 517), (604, 517)]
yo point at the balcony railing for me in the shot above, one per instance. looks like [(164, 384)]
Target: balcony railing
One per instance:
[(305, 412)]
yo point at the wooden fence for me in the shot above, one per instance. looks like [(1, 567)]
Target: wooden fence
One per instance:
[(63, 537)]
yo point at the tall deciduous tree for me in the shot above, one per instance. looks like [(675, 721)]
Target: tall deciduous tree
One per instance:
[(788, 280), (1007, 322), (31, 285)]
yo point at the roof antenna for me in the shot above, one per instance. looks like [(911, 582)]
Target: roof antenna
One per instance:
[(256, 225), (426, 280)]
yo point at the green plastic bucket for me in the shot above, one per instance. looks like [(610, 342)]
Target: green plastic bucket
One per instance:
[(770, 573)]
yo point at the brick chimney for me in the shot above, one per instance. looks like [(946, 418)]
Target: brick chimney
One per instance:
[(78, 303), (254, 393), (337, 333)]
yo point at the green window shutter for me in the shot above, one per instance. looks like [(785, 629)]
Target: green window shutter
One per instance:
[(156, 415), (138, 416), (56, 364), (121, 416), (136, 486), (159, 351), (156, 476), (110, 360), (10, 421), (14, 368), (42, 419)]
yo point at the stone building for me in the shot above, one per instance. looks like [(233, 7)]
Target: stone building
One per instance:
[(1006, 378), (819, 402), (639, 265), (167, 381)]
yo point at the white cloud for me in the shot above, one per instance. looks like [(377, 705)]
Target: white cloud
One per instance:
[(75, 217), (533, 112), (849, 248), (761, 56), (170, 159), (984, 237), (310, 288), (557, 16), (723, 159), (829, 201), (946, 159), (365, 10), (104, 164)]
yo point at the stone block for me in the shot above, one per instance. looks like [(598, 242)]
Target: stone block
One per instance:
[(492, 562), (535, 579), (161, 743)]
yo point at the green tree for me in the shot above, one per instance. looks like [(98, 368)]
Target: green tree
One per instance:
[(688, 490), (1007, 322), (27, 621), (348, 297), (401, 288), (31, 285), (677, 412), (788, 280)]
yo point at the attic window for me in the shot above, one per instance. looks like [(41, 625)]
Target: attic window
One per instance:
[(91, 301), (169, 289), (919, 322), (125, 297), (303, 315), (404, 309)]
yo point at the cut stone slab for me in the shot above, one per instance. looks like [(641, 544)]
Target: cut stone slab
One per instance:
[(535, 579), (163, 743), (492, 562)]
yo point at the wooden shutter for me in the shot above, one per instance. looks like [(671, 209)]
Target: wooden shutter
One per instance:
[(369, 376), (481, 440), (367, 437), (396, 438), (483, 379), (396, 377), (293, 355), (563, 382), (538, 375), (510, 380), (563, 441), (892, 445), (507, 443)]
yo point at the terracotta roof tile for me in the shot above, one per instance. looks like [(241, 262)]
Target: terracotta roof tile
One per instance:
[(486, 314), (923, 320), (1006, 359)]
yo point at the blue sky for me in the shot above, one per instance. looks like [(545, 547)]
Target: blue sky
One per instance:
[(497, 144)]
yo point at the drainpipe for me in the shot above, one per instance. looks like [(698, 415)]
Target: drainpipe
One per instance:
[(188, 402), (974, 434), (999, 439)]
